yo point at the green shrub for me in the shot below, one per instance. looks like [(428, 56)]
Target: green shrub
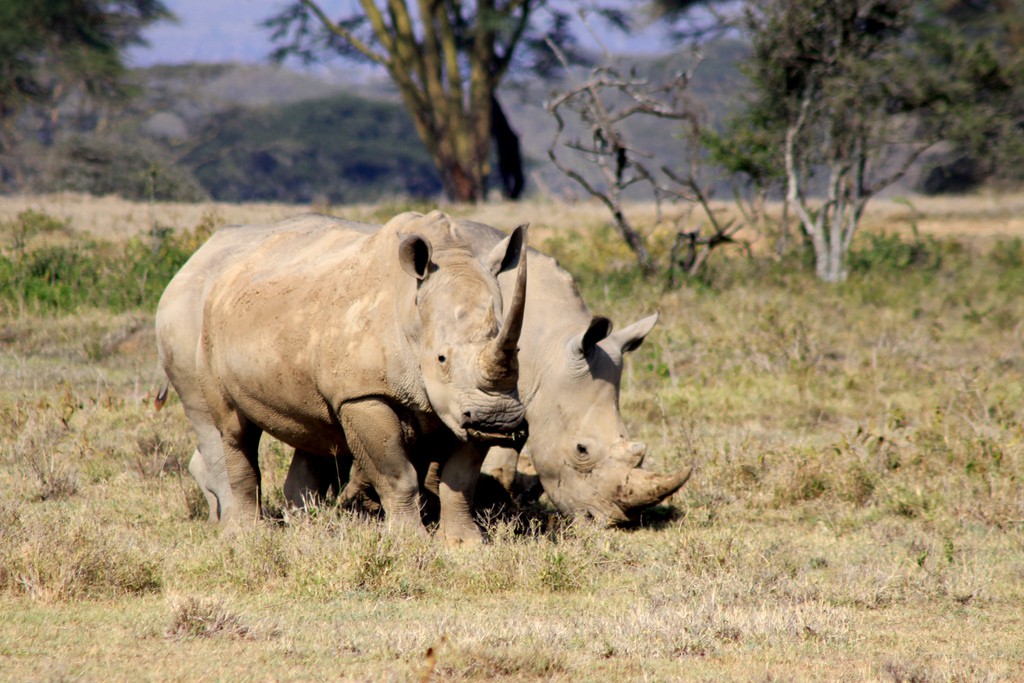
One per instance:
[(139, 170), (889, 253), (91, 273), (1008, 254), (1008, 258)]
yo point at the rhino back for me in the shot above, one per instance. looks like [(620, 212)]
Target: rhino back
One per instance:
[(179, 314), (304, 322)]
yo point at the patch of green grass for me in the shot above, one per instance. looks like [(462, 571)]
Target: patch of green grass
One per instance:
[(46, 277)]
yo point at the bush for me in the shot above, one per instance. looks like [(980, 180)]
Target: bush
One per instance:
[(886, 252), (63, 278)]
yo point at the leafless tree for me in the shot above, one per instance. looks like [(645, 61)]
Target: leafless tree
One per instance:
[(602, 104)]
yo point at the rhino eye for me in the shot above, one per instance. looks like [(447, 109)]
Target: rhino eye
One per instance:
[(581, 460), (442, 358)]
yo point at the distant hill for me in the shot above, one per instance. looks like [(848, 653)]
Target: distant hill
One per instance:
[(336, 149), (263, 132)]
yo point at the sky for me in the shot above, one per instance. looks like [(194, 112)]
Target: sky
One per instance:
[(228, 30)]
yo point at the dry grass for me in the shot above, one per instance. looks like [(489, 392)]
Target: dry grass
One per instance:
[(857, 512), (195, 617)]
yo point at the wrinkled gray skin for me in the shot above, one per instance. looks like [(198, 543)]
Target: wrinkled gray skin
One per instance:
[(347, 343), (570, 372)]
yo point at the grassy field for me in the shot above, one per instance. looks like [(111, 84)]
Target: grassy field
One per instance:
[(856, 512)]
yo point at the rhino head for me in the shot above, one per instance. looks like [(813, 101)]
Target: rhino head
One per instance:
[(588, 466), (468, 348)]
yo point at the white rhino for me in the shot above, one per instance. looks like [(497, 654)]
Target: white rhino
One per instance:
[(345, 342), (570, 370)]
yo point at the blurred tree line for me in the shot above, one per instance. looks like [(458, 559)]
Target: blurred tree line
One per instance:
[(73, 116)]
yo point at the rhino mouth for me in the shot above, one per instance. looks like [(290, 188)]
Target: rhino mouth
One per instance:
[(509, 439)]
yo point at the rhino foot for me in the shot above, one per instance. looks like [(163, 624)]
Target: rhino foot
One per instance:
[(459, 535)]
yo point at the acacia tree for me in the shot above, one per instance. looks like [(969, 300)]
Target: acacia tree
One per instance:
[(863, 91), (446, 58), (991, 153), (847, 95)]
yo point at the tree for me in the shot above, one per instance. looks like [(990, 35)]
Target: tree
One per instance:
[(1000, 26), (446, 58), (603, 159), (51, 50), (848, 95), (858, 91)]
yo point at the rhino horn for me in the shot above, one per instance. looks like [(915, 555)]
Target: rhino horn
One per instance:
[(500, 355), (643, 488)]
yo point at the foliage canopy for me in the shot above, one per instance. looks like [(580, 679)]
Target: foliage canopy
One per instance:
[(847, 96), (55, 50)]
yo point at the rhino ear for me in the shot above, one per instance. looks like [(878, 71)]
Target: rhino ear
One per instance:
[(505, 254), (630, 338), (583, 344), (414, 256)]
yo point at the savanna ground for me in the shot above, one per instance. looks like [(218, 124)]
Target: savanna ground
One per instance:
[(856, 512)]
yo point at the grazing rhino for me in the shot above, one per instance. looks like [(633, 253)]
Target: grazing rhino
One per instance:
[(570, 368), (345, 342)]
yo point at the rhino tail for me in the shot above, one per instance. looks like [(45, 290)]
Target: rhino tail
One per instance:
[(161, 396)]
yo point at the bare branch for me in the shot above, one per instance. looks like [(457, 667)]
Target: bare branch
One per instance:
[(345, 34), (603, 102)]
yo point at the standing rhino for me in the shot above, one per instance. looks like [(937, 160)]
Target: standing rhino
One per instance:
[(569, 377), (349, 343)]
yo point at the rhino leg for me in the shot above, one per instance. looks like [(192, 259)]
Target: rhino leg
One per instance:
[(197, 468), (377, 437), (500, 465), (241, 441), (358, 493), (497, 477), (526, 486), (207, 463), (311, 478), (430, 484), (458, 477)]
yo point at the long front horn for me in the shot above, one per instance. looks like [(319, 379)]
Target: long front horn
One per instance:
[(501, 353), (643, 488)]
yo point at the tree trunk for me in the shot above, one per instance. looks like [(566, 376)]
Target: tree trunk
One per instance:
[(462, 186), (446, 59), (634, 240), (510, 160)]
